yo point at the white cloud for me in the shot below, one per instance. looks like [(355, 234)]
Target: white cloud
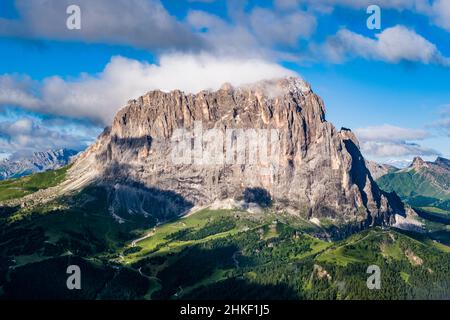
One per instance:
[(329, 5), (140, 23), (147, 24), (255, 33), (225, 38), (395, 149), (17, 90), (98, 97), (27, 135), (274, 28), (258, 32), (391, 133), (392, 141), (391, 45), (440, 13)]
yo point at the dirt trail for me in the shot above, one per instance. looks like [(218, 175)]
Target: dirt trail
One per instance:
[(148, 235)]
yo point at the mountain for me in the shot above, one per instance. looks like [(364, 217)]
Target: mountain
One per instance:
[(37, 162), (422, 184), (378, 170), (308, 166), (149, 212)]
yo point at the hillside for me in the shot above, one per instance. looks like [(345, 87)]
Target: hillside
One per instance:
[(422, 184), (259, 255)]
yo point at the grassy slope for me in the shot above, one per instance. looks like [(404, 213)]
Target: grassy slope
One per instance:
[(259, 256), (56, 234), (263, 246), (417, 189), (17, 188), (207, 254)]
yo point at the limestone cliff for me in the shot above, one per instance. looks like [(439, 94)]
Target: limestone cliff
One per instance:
[(312, 168)]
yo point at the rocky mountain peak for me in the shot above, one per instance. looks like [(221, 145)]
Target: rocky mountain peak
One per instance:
[(268, 138), (347, 134), (417, 162)]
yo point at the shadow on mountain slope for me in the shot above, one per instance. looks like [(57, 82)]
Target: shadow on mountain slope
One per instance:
[(359, 174), (259, 196)]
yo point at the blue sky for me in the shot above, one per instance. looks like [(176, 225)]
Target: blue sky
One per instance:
[(60, 87)]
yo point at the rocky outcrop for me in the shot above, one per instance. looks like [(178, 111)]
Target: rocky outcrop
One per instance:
[(202, 148)]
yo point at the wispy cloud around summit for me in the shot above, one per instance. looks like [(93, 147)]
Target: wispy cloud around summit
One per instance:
[(98, 97)]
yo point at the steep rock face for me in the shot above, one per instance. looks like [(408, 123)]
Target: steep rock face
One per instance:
[(312, 168)]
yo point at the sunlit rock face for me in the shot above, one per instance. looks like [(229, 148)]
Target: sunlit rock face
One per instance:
[(270, 136)]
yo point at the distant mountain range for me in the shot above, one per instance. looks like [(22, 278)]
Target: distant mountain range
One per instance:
[(378, 170), (422, 184), (37, 162)]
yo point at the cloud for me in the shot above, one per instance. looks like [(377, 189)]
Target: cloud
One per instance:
[(360, 4), (146, 24), (443, 124), (98, 97), (390, 133), (392, 141), (260, 32), (392, 45), (396, 149), (249, 31), (271, 27), (224, 38), (141, 23), (27, 135), (17, 90), (440, 13)]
